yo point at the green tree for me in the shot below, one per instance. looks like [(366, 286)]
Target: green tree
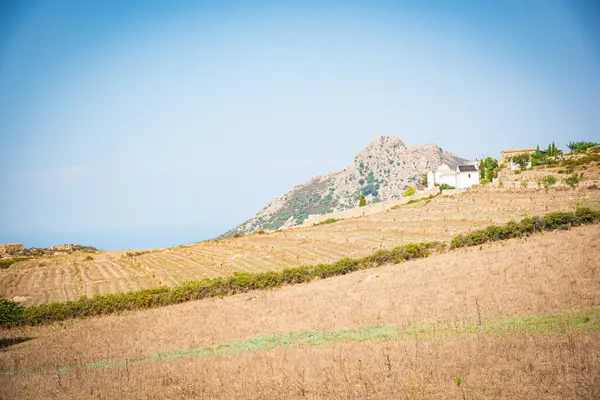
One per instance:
[(491, 168), (538, 158), (522, 160), (482, 178), (488, 168), (363, 201), (580, 147)]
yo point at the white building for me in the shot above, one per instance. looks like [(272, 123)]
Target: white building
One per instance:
[(464, 176)]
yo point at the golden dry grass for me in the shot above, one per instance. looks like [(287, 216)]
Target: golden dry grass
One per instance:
[(555, 271), (68, 277)]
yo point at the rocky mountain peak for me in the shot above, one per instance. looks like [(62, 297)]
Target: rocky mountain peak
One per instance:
[(381, 171), (381, 142)]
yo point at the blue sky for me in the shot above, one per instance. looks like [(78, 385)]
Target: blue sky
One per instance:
[(133, 124)]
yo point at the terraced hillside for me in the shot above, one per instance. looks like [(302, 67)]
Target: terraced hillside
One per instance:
[(518, 319), (67, 277)]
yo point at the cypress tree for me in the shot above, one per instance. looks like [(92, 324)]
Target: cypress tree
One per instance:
[(363, 201)]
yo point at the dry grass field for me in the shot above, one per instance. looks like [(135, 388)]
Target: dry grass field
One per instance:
[(516, 320), (68, 277)]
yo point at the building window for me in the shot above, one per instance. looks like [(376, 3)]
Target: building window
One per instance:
[(469, 175)]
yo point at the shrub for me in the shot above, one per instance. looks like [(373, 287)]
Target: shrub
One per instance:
[(559, 220), (445, 186), (524, 184), (547, 181), (488, 170), (7, 262), (363, 201), (409, 191), (588, 158), (327, 221), (585, 216), (527, 226), (11, 313), (572, 180), (89, 258), (238, 282)]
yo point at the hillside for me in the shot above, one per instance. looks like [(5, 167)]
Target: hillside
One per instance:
[(381, 171), (455, 324), (69, 276), (513, 320)]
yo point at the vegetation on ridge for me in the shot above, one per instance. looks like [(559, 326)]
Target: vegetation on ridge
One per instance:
[(12, 313)]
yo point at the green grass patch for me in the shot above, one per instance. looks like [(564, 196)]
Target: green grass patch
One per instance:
[(587, 321), (7, 262)]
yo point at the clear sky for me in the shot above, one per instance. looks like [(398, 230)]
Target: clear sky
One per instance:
[(134, 124)]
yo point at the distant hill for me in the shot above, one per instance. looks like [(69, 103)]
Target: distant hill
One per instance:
[(382, 171)]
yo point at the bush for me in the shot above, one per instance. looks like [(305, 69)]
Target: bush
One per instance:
[(7, 262), (239, 282), (445, 186), (527, 226), (11, 313), (547, 181), (572, 180), (588, 158), (327, 221), (409, 191)]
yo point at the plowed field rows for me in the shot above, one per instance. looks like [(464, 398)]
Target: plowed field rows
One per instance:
[(67, 277)]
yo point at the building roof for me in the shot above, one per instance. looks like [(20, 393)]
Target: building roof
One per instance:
[(467, 168), (523, 150)]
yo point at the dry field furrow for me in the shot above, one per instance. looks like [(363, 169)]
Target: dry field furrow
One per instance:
[(164, 276), (182, 268), (164, 262), (198, 269), (128, 277)]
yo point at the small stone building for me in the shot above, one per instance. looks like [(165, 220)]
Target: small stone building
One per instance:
[(464, 176)]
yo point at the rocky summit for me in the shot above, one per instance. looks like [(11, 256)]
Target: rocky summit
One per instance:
[(381, 171)]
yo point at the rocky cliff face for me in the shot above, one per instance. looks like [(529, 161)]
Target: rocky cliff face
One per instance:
[(382, 171)]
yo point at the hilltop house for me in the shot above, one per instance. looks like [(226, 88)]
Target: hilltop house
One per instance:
[(506, 155), (464, 176)]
